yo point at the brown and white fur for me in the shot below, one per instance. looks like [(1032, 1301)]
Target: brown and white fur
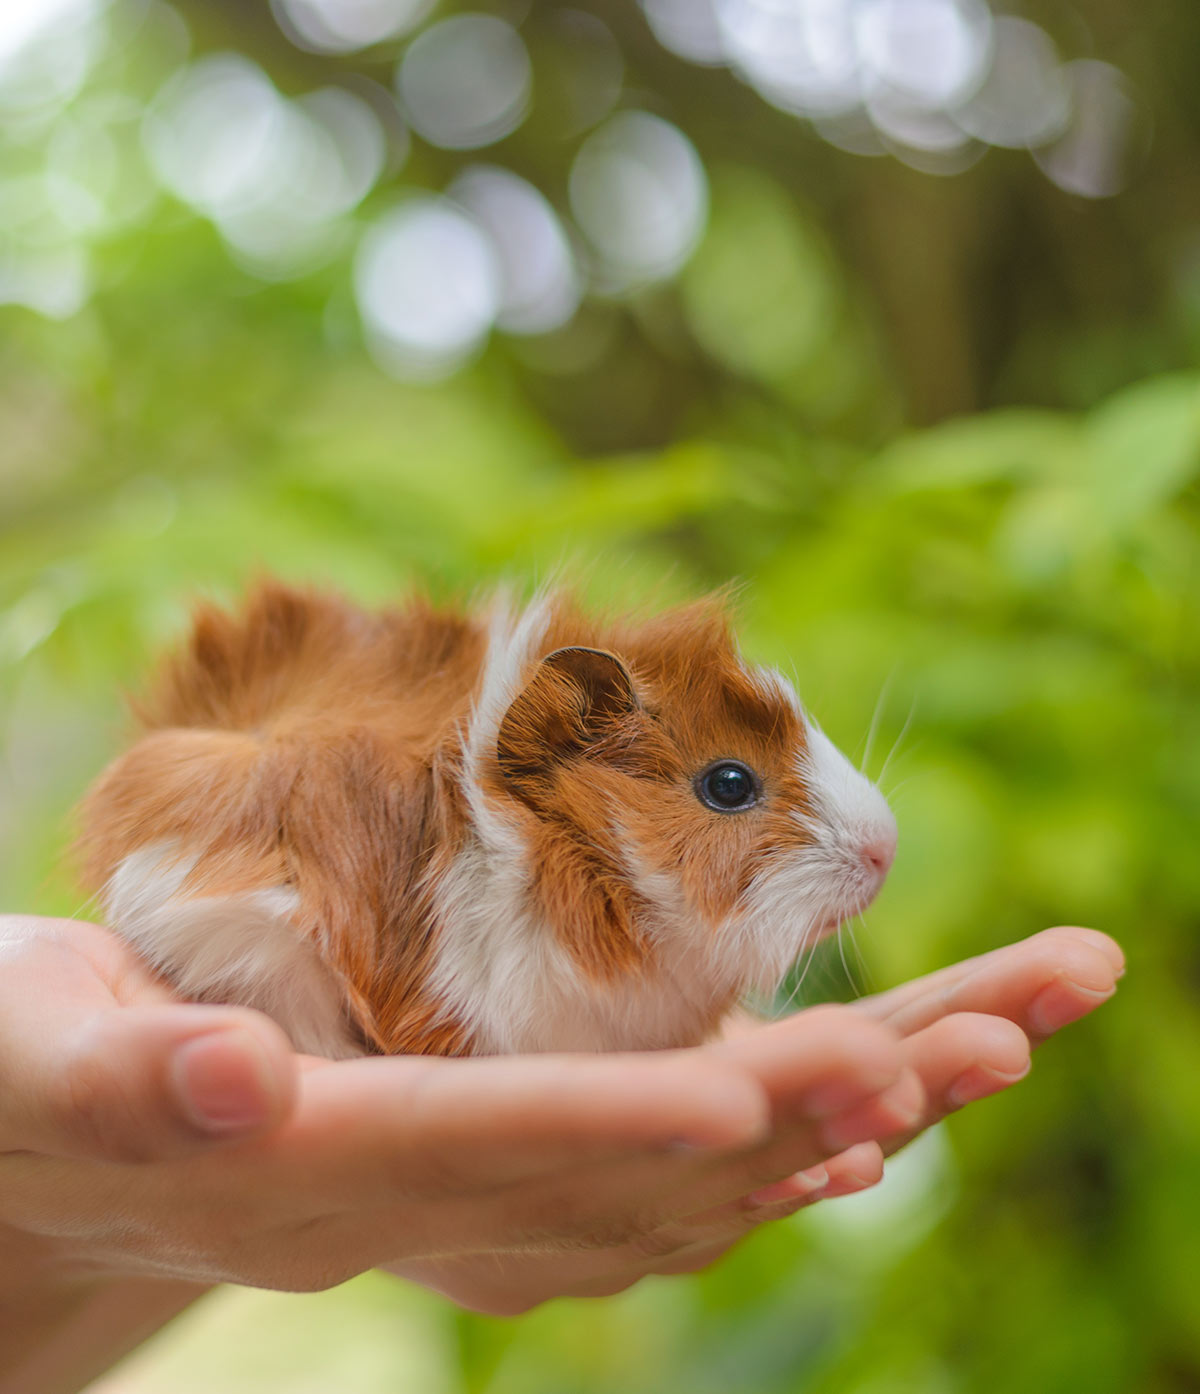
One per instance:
[(457, 832)]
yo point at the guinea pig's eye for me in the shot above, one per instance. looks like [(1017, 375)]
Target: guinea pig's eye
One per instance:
[(728, 787)]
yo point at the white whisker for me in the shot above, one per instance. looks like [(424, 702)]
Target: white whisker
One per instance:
[(873, 729), (896, 743), (811, 951)]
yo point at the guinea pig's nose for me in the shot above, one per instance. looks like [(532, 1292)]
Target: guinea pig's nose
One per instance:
[(878, 853)]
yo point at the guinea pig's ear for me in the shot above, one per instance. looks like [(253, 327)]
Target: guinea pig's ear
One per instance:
[(572, 702)]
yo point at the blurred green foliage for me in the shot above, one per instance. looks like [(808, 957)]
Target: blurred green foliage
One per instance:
[(1012, 592)]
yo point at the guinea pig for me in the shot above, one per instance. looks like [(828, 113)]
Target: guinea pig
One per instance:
[(473, 831)]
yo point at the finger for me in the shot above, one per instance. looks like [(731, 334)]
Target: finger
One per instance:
[(552, 1129), (817, 1063), (622, 1271), (401, 1126), (856, 1169), (699, 1240), (967, 1057), (831, 1085), (797, 1166), (143, 1083), (1042, 983), (639, 1204), (960, 1059), (96, 1064)]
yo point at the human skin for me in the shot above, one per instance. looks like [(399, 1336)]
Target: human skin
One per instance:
[(150, 1149)]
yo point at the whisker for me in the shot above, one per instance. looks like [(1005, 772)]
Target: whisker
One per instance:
[(912, 711), (873, 729), (841, 943), (895, 789), (89, 908), (864, 968), (811, 951)]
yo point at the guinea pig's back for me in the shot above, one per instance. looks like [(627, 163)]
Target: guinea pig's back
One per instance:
[(263, 840)]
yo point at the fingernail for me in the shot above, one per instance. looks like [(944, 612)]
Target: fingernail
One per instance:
[(803, 1185), (849, 1185), (978, 1082), (224, 1081), (1063, 1002)]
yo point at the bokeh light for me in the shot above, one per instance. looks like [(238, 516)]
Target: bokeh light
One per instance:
[(800, 55), (466, 82), (930, 52), (540, 283), (46, 51), (1024, 99), (639, 193), (933, 82), (274, 175), (429, 286), (1091, 157), (343, 26), (55, 281), (689, 28)]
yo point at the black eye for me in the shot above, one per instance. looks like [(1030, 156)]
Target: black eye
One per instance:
[(728, 787)]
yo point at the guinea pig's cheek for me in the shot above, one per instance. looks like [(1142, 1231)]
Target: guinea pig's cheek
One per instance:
[(714, 868)]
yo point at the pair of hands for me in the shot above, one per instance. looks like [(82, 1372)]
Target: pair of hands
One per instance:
[(145, 1138)]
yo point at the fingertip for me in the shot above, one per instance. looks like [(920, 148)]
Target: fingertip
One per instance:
[(1063, 1002), (826, 1058), (143, 1084), (728, 1108), (980, 1082), (999, 1043), (856, 1168), (227, 1083), (1094, 939), (269, 1053)]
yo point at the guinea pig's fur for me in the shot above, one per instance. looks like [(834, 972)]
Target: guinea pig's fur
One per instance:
[(453, 831)]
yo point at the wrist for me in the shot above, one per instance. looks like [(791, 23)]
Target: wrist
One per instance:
[(63, 1322)]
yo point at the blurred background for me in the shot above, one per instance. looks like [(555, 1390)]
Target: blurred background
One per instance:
[(890, 308)]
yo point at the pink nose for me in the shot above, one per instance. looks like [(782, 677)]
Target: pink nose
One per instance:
[(878, 854)]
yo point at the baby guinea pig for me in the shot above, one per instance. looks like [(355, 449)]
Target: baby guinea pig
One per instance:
[(450, 832)]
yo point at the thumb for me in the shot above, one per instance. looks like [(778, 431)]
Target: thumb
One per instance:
[(144, 1083)]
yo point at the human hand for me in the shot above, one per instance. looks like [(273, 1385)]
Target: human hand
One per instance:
[(308, 1171), (967, 1031), (1038, 985), (556, 1163)]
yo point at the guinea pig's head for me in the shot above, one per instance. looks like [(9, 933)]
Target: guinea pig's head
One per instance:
[(680, 801)]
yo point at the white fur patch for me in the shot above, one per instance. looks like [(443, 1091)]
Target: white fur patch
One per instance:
[(807, 891), (512, 640), (492, 953), (850, 811), (241, 949)]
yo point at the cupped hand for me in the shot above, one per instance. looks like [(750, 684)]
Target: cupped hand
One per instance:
[(143, 1136), (966, 1032)]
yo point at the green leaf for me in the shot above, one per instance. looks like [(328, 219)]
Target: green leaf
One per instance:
[(1143, 446)]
